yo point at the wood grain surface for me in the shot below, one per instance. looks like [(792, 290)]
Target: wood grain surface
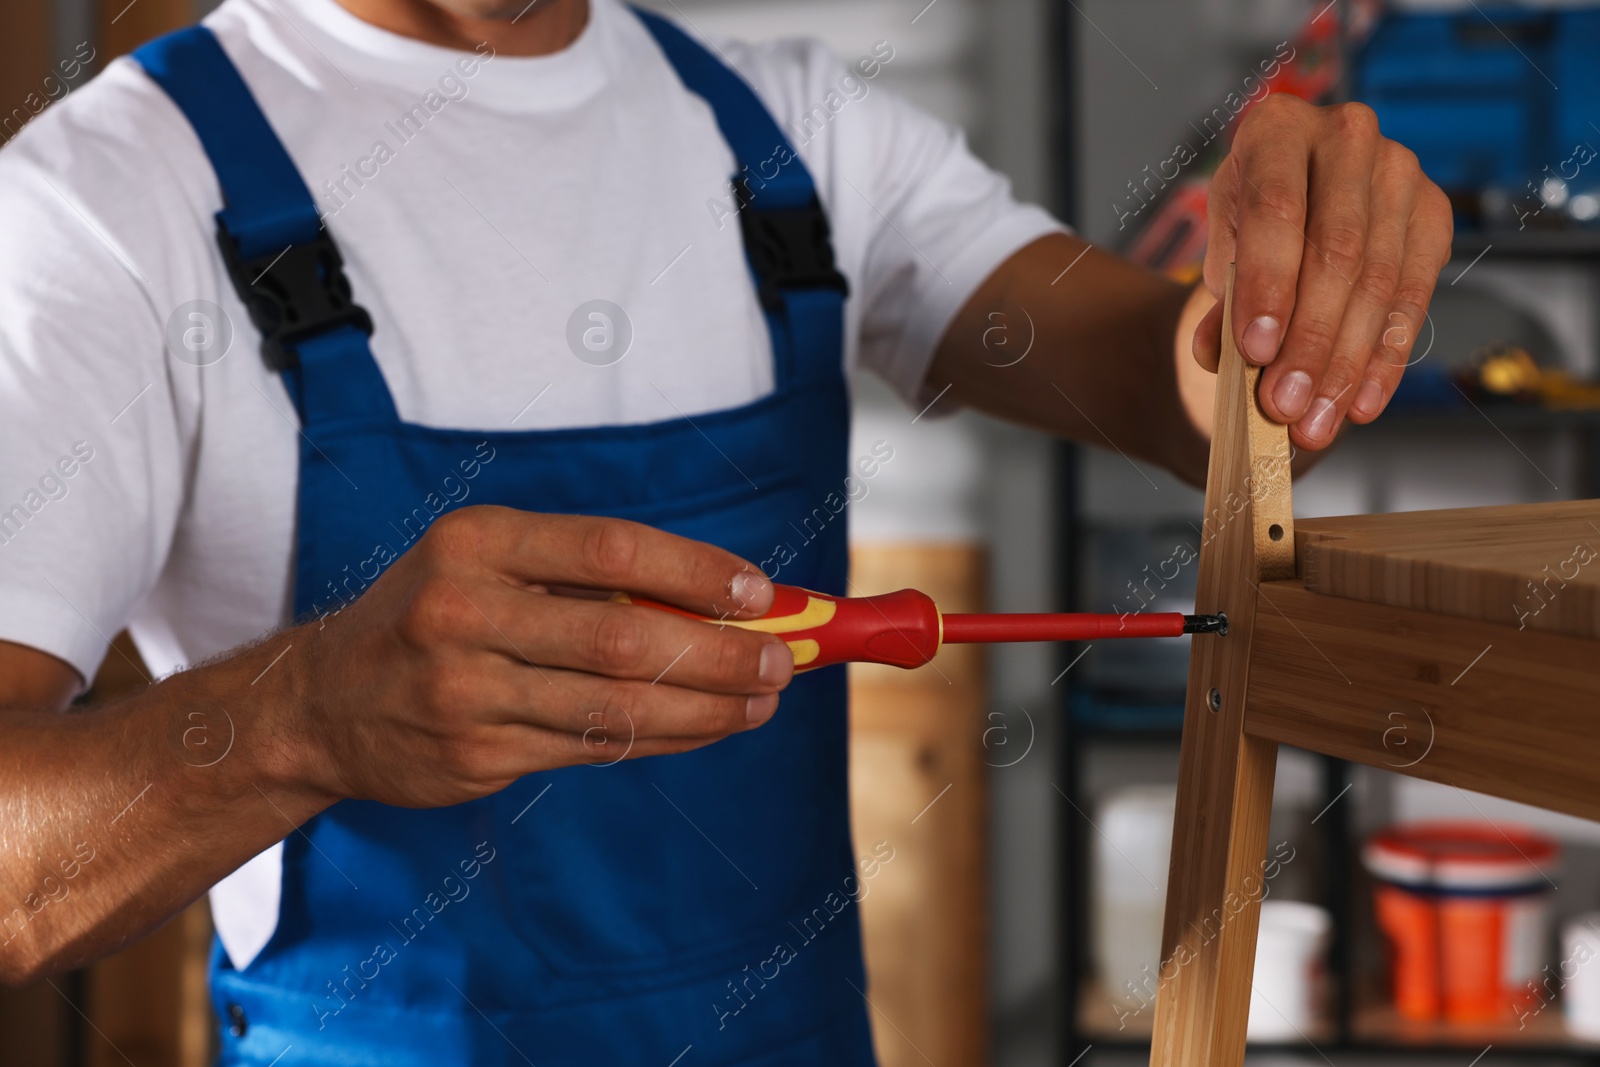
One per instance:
[(1225, 776), (1532, 566), (1478, 705)]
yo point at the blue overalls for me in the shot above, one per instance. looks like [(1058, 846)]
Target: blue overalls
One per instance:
[(696, 906)]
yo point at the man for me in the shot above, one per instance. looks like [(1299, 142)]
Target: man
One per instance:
[(594, 276)]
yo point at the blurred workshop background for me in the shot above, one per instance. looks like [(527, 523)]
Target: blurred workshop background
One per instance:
[(1028, 792)]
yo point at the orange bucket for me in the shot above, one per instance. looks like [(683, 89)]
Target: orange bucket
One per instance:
[(1465, 908)]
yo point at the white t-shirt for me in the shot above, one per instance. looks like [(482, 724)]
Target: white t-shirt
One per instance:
[(140, 489)]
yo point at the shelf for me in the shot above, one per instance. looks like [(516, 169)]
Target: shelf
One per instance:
[(1376, 1023), (1528, 244), (1116, 715), (1099, 1021), (1514, 417), (1374, 1027)]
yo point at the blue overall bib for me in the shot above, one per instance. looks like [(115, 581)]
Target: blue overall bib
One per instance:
[(697, 906)]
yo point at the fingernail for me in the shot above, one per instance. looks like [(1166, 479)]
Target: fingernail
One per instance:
[(1292, 394), (1320, 423), (1261, 339), (752, 592), (777, 664), (1369, 398), (758, 710)]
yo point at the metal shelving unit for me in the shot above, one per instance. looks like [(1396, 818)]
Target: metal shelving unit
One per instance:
[(1360, 1023)]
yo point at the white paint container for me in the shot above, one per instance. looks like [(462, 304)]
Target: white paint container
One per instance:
[(1580, 971), (1131, 850), (1286, 993)]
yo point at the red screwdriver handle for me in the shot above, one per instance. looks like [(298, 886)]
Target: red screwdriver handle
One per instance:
[(900, 629)]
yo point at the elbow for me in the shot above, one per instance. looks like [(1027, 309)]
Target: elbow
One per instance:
[(19, 967), (27, 959), (17, 970)]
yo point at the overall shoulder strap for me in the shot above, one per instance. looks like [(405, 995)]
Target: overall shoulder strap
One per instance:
[(283, 262), (787, 239), (267, 204)]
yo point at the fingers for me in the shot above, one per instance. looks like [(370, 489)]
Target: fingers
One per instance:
[(604, 711), (1222, 212), (521, 750), (1338, 238), (1335, 332), (1273, 149), (1358, 373), (621, 641), (555, 717), (495, 756), (1296, 388), (1208, 338), (1428, 230), (610, 554)]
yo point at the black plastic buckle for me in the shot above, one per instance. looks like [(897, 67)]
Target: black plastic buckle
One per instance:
[(293, 295), (789, 248)]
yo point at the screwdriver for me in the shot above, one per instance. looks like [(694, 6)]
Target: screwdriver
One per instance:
[(906, 628)]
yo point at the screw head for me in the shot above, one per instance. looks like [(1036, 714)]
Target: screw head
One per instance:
[(1214, 699)]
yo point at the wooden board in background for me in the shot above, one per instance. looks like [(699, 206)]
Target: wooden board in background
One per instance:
[(917, 782), (126, 24), (34, 1025), (149, 1002), (25, 49)]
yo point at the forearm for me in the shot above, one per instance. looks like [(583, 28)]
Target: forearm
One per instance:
[(117, 817), (453, 675), (1108, 364)]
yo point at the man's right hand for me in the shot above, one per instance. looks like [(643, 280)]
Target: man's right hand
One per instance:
[(472, 661), (469, 664)]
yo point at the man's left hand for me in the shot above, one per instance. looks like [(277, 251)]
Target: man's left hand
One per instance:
[(1337, 239)]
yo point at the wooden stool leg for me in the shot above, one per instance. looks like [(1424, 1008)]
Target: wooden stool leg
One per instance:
[(1219, 841)]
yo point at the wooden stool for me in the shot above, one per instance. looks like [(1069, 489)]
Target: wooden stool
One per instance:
[(1474, 632)]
